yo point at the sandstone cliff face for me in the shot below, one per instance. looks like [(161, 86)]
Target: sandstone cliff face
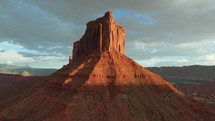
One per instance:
[(101, 35)]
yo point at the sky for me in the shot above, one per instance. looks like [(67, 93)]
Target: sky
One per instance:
[(40, 33)]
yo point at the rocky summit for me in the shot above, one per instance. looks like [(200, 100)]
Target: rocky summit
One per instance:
[(100, 83), (101, 35)]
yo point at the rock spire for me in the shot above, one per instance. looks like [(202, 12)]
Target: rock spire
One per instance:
[(101, 35)]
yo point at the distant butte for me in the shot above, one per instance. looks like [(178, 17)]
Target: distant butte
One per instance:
[(101, 35)]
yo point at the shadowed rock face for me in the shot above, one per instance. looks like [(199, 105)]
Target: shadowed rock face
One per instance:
[(101, 35)]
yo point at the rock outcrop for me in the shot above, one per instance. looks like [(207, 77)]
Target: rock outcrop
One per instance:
[(104, 86), (101, 35), (70, 58), (25, 73)]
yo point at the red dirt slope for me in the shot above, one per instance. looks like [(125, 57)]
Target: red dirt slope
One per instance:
[(10, 85), (109, 87), (205, 92)]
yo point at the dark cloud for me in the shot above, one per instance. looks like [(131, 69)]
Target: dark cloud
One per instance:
[(1, 51), (32, 55), (155, 28), (33, 28)]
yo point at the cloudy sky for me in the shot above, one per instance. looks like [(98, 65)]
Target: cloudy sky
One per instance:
[(40, 33)]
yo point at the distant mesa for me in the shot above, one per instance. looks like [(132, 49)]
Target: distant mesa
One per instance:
[(101, 35), (25, 73)]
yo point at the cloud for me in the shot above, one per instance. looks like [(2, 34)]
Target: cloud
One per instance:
[(32, 54), (179, 61), (2, 51), (9, 62), (32, 27), (13, 57), (18, 55), (164, 54), (155, 29)]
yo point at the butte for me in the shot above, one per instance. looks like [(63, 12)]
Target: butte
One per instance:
[(102, 84)]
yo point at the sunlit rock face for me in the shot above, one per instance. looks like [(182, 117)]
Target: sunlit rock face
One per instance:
[(101, 35)]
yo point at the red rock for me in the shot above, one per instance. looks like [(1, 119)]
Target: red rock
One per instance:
[(70, 58), (101, 35), (76, 49), (11, 85), (104, 86)]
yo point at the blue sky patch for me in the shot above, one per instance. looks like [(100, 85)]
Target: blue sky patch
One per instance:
[(121, 13)]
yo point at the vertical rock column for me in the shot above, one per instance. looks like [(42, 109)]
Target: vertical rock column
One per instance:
[(101, 35)]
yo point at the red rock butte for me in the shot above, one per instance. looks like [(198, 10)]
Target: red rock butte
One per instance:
[(101, 35), (102, 84)]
